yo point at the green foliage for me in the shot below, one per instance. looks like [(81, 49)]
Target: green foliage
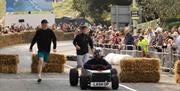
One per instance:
[(168, 23), (170, 20), (153, 9), (2, 8), (65, 9), (98, 10)]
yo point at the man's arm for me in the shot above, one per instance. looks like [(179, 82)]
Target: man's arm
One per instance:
[(54, 40), (75, 41), (90, 42), (108, 66), (88, 65), (35, 39)]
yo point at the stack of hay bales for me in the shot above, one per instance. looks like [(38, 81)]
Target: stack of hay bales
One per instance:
[(59, 35), (11, 39), (1, 41), (140, 70), (177, 71), (68, 36), (9, 63), (55, 64), (14, 39), (28, 36)]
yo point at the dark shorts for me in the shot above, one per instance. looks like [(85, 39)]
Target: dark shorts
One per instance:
[(43, 55)]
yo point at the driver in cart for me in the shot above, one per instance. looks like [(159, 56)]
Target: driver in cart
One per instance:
[(97, 62)]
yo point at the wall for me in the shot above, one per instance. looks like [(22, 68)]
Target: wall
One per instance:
[(32, 19)]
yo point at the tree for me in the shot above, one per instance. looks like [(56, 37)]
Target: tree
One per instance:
[(153, 9), (96, 9)]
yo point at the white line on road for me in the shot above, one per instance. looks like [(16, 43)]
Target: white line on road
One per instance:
[(124, 86), (68, 66), (34, 79), (127, 87)]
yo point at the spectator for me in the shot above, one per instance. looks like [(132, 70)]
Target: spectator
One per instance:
[(150, 35), (81, 43), (177, 44), (129, 40), (143, 45)]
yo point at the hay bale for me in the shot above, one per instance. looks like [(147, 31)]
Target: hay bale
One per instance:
[(34, 69), (57, 58), (53, 58), (9, 63), (177, 67), (177, 77), (50, 67), (177, 71), (134, 76), (55, 64), (18, 39), (140, 70), (8, 59), (28, 36), (59, 35), (1, 41), (8, 68), (140, 64), (68, 36), (59, 68)]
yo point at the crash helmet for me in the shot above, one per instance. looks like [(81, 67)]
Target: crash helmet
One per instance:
[(98, 53)]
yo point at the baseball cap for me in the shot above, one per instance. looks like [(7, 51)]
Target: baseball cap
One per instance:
[(44, 21)]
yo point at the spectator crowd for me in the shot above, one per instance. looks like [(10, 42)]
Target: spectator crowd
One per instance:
[(158, 38), (14, 28)]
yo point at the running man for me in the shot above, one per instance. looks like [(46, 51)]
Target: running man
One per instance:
[(44, 36), (81, 42)]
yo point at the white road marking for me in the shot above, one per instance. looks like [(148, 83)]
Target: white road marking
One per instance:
[(130, 89), (34, 79), (124, 86), (68, 66)]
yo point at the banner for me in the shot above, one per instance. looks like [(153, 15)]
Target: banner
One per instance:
[(28, 5)]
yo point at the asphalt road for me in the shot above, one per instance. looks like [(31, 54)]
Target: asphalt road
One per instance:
[(25, 81)]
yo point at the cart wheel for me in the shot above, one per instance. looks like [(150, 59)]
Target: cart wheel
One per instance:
[(73, 77), (114, 72), (115, 82), (83, 82)]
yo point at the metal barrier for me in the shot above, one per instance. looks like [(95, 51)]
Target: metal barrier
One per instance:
[(168, 58)]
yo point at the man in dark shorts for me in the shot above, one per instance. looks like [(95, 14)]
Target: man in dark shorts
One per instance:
[(43, 37)]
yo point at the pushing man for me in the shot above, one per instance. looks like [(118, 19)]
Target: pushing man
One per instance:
[(81, 42), (43, 37)]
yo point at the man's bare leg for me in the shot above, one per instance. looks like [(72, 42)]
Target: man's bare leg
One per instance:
[(40, 68)]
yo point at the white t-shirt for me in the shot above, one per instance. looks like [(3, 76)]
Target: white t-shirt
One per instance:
[(177, 43)]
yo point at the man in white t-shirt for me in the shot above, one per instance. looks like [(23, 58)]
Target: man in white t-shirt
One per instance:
[(177, 44)]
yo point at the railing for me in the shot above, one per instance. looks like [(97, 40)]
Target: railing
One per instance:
[(168, 58), (153, 24)]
